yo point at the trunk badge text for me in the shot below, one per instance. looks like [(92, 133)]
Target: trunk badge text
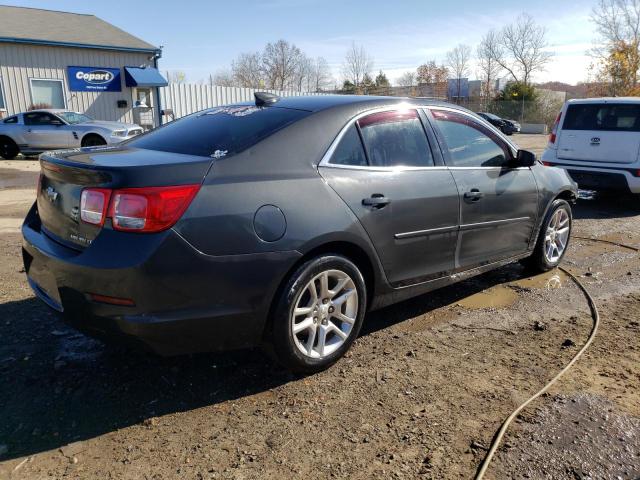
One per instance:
[(595, 141), (52, 195)]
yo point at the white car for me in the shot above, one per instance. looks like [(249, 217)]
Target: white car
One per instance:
[(37, 131), (597, 140)]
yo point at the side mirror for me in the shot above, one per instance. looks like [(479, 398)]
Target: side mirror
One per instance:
[(525, 158)]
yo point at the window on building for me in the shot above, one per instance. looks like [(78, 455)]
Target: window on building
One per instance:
[(47, 92), (469, 143), (395, 138)]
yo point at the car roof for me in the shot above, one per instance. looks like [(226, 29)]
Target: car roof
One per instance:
[(51, 110), (605, 100), (316, 103)]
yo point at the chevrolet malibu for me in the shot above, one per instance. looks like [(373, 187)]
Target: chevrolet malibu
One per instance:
[(281, 222)]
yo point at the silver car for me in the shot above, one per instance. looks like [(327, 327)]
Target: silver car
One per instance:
[(37, 131)]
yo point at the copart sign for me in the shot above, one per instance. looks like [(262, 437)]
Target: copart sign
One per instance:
[(94, 79)]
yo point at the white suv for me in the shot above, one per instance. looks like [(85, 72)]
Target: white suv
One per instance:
[(597, 140)]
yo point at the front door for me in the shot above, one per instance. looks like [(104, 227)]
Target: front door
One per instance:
[(498, 202), (45, 131), (407, 205)]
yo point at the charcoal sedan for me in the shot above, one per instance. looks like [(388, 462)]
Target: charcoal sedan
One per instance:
[(281, 222)]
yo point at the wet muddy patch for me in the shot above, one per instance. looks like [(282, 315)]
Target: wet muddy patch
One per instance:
[(580, 436)]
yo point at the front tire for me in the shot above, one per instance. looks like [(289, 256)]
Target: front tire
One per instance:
[(319, 313), (553, 238), (8, 148)]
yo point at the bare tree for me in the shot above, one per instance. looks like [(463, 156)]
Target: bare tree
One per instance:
[(280, 62), (302, 74), (176, 76), (222, 78), (357, 65), (247, 70), (320, 77), (458, 61), (489, 68), (522, 49), (407, 79)]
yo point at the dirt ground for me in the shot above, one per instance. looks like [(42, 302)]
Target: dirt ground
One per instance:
[(420, 395)]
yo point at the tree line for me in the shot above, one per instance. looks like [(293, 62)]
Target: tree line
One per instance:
[(515, 52)]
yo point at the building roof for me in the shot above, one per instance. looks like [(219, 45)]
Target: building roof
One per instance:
[(50, 27)]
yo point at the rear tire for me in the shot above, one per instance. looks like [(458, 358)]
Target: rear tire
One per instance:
[(553, 238), (8, 148), (318, 314), (93, 140)]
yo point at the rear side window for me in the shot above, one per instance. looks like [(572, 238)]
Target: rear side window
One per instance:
[(395, 138), (350, 151), (218, 132), (611, 117), (13, 119)]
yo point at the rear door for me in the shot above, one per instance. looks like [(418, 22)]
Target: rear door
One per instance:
[(600, 132), (498, 203), (44, 131), (406, 201)]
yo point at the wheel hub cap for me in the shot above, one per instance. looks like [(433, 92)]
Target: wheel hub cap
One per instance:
[(324, 314), (557, 235)]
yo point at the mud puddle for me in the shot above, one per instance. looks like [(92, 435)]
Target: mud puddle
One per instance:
[(578, 436), (505, 295)]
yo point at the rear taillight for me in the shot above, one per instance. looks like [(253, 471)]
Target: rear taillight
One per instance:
[(547, 164), (148, 209), (554, 130), (93, 205)]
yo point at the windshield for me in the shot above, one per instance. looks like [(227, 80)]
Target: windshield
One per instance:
[(74, 117), (218, 132)]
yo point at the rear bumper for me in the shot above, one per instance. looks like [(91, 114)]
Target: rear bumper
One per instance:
[(593, 177), (185, 301)]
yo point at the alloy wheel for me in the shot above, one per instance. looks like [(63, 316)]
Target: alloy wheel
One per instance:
[(324, 314), (557, 235)]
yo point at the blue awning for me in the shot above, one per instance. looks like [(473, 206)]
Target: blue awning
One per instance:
[(143, 77)]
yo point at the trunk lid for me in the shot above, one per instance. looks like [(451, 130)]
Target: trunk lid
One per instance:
[(65, 174)]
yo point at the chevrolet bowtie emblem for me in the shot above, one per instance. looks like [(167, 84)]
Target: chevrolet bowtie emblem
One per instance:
[(52, 195)]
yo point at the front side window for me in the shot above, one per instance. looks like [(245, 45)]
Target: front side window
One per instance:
[(469, 143), (47, 93), (219, 132), (395, 138), (40, 118), (621, 117)]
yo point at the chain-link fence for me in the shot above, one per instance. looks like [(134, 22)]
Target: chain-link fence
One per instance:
[(542, 111)]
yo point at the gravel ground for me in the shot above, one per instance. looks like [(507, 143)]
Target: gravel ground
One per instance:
[(420, 395)]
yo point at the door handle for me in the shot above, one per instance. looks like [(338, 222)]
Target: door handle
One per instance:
[(473, 195), (377, 200)]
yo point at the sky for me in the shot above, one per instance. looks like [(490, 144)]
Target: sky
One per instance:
[(202, 37)]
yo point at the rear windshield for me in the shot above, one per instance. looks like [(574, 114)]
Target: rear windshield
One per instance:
[(218, 132), (621, 117)]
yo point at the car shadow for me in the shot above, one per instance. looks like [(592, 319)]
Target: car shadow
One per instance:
[(60, 387), (598, 205)]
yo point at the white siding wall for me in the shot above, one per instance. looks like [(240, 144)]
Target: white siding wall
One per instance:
[(19, 63), (186, 98)]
